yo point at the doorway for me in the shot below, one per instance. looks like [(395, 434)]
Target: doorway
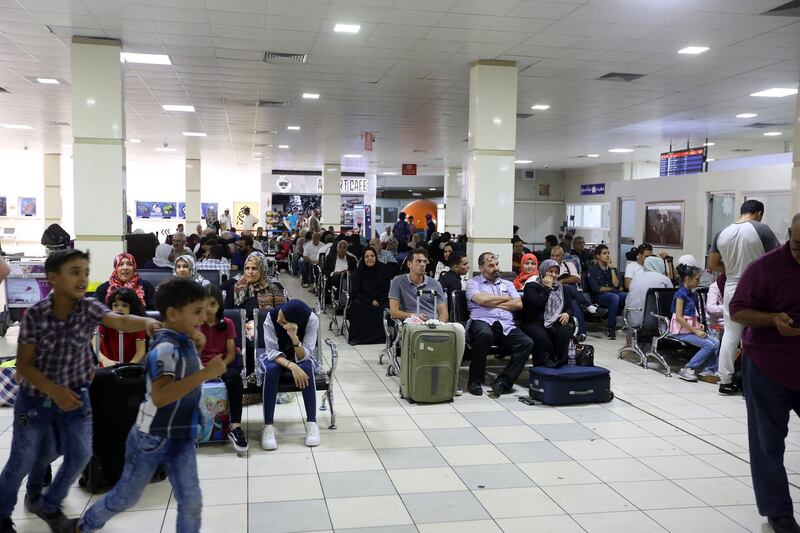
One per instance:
[(627, 229), (721, 214)]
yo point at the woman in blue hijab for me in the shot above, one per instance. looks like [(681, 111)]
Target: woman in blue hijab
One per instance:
[(290, 338)]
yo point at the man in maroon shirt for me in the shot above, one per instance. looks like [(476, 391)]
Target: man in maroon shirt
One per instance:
[(767, 302)]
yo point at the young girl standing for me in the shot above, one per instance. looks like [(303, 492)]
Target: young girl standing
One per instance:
[(123, 301), (685, 325), (220, 333)]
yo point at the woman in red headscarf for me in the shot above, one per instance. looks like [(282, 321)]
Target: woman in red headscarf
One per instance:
[(529, 269), (124, 275)]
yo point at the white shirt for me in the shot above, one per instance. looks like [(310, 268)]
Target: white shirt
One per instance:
[(632, 269), (309, 340), (224, 223), (341, 264), (740, 244), (325, 248), (249, 222), (385, 237), (311, 250)]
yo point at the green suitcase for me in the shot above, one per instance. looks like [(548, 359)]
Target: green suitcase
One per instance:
[(429, 364)]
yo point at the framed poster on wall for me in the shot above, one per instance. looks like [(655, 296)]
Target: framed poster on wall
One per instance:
[(156, 209), (237, 216), (27, 206), (663, 224), (3, 206), (204, 207)]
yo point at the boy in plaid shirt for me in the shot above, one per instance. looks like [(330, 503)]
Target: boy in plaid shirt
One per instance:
[(56, 365)]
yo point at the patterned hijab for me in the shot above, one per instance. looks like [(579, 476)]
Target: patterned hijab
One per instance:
[(522, 277), (555, 302), (114, 282), (193, 275), (268, 294)]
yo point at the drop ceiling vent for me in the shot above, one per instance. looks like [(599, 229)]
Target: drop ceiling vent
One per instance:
[(789, 9), (620, 76), (353, 174), (272, 103), (767, 125), (742, 150), (283, 58), (524, 115), (282, 172), (266, 132)]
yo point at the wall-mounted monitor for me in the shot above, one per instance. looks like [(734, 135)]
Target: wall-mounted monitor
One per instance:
[(680, 162)]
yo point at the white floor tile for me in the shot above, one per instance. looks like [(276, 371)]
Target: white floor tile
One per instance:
[(516, 503), (698, 520), (414, 480), (656, 495), (480, 454), (628, 521), (595, 498), (558, 473), (371, 511)]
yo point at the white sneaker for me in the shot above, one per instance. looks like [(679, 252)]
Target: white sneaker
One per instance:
[(592, 308), (687, 374), (268, 441), (312, 434)]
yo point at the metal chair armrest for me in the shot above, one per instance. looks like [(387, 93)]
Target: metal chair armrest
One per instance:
[(334, 357), (626, 313)]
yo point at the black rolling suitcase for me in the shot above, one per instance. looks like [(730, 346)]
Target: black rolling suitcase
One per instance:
[(570, 384)]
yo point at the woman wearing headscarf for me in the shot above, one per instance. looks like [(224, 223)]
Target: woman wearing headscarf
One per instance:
[(253, 288), (290, 338), (369, 295), (124, 276), (161, 260), (546, 316), (529, 271), (186, 268), (443, 256), (652, 277)]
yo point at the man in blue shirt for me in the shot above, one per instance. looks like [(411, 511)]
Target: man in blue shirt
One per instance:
[(605, 284)]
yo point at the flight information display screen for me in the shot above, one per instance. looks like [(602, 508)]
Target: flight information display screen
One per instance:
[(679, 162)]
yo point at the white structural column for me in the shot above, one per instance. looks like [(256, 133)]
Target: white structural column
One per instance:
[(52, 189), (193, 212), (452, 202), (490, 162), (98, 153), (331, 197), (796, 158)]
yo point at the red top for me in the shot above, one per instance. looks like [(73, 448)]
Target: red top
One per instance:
[(216, 340), (109, 345)]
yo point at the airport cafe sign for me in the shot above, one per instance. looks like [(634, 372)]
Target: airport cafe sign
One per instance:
[(348, 185)]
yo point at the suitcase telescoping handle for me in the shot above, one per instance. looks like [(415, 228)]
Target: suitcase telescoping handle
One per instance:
[(121, 348), (128, 374), (432, 293)]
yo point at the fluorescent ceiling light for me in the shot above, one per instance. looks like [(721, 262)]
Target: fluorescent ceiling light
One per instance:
[(708, 144), (147, 59), (776, 92), (772, 134), (17, 126), (410, 190), (347, 28), (164, 149), (311, 96), (710, 160), (352, 156), (256, 153), (390, 173), (283, 146), (747, 115), (173, 107), (48, 81), (194, 134), (431, 188), (593, 155), (693, 50), (293, 128), (621, 150), (134, 140), (523, 161), (540, 107)]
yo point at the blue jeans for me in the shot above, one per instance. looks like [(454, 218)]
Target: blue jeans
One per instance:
[(272, 378), (35, 419), (577, 311), (296, 266), (307, 271), (706, 356), (143, 454), (615, 302)]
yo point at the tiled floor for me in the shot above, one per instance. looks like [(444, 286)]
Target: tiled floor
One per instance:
[(665, 455)]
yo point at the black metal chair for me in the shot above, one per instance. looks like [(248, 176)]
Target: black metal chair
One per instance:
[(645, 332), (155, 277), (339, 301)]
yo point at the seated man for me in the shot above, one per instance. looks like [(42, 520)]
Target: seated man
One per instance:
[(491, 302), (311, 252), (403, 298), (606, 287), (335, 264), (584, 255), (455, 278), (244, 247)]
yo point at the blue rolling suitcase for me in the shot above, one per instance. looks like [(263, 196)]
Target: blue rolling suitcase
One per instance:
[(570, 384)]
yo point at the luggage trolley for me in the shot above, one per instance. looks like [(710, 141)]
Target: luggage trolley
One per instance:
[(25, 285)]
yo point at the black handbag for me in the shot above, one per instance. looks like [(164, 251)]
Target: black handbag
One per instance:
[(584, 355)]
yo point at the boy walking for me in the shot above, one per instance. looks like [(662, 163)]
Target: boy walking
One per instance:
[(165, 431), (56, 364)]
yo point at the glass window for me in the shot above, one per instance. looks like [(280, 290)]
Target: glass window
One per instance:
[(589, 216)]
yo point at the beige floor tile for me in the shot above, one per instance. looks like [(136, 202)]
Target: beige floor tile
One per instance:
[(413, 480)]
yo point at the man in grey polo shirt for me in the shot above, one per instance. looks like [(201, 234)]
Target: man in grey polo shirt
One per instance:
[(403, 298)]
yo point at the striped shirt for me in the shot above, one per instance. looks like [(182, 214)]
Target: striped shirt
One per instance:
[(215, 264)]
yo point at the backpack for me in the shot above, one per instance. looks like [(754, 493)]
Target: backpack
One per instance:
[(54, 237)]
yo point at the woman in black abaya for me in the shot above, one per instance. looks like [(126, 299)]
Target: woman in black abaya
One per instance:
[(369, 295)]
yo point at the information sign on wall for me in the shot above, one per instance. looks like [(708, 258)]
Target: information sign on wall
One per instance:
[(592, 189), (348, 185), (409, 169)]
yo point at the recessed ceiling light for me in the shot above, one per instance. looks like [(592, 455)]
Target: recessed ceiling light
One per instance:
[(431, 188), (772, 134), (410, 190), (540, 107), (293, 128), (621, 150), (593, 155), (48, 81), (710, 160), (183, 108), (164, 149), (194, 134), (708, 144), (283, 146), (134, 140), (747, 115), (694, 50), (147, 59), (776, 92), (256, 153), (497, 121), (311, 96), (347, 28), (523, 161), (352, 156), (390, 173), (17, 126)]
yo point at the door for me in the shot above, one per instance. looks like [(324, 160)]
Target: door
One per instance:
[(777, 211), (721, 214), (627, 229)]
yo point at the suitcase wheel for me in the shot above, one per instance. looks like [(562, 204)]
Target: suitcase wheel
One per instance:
[(610, 396)]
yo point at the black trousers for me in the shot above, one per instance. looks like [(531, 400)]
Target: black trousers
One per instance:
[(769, 406), (483, 336), (550, 345), (233, 384)]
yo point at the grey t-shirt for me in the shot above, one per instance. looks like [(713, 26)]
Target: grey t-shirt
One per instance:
[(637, 294), (740, 244), (403, 290)]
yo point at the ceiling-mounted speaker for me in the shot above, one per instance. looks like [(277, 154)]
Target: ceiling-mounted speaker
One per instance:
[(529, 175)]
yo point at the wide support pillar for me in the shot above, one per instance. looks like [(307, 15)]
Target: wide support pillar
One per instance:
[(490, 162), (331, 197), (193, 180), (98, 156), (52, 189), (795, 206), (452, 201)]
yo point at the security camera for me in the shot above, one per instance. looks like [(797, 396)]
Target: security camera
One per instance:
[(166, 144)]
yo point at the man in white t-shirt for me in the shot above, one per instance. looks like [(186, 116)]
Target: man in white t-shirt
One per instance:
[(249, 220), (225, 221), (310, 258), (386, 235), (632, 268), (732, 251)]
